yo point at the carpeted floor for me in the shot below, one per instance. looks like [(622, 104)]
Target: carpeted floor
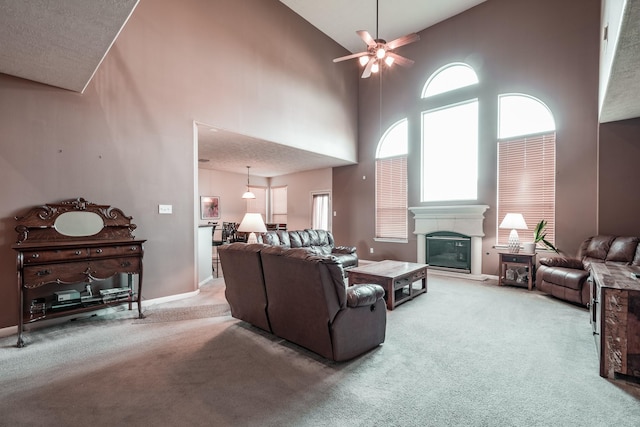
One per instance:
[(464, 354)]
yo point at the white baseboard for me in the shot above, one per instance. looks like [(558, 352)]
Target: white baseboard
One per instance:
[(10, 330), (176, 297)]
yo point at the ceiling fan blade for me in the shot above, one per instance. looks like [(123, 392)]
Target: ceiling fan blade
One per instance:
[(364, 35), (401, 60), (367, 70), (401, 41), (355, 55)]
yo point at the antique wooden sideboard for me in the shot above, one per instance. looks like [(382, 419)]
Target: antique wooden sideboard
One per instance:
[(615, 318), (70, 255)]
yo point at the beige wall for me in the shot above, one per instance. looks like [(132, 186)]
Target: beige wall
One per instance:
[(128, 140), (229, 187), (546, 48), (300, 187)]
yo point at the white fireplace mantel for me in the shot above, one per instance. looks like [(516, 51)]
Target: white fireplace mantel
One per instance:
[(463, 219)]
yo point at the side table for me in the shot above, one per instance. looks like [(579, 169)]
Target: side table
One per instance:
[(510, 263)]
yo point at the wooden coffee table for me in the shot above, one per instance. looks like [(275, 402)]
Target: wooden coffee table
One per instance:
[(396, 277)]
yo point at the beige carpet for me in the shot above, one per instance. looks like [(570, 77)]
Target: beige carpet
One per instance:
[(464, 354), (176, 314)]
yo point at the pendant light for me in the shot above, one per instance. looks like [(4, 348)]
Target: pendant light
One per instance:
[(248, 194)]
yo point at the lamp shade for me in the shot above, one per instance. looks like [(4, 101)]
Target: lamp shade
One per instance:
[(513, 221), (252, 223)]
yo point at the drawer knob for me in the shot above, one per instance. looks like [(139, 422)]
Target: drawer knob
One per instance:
[(134, 248), (43, 273), (35, 255), (78, 252), (98, 251), (125, 264)]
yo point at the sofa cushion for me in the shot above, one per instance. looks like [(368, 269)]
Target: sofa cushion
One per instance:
[(598, 247), (622, 250), (562, 262), (270, 238), (563, 276), (295, 239)]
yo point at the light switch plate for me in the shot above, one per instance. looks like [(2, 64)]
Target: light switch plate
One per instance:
[(165, 209)]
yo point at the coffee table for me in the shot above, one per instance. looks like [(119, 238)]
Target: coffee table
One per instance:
[(396, 277)]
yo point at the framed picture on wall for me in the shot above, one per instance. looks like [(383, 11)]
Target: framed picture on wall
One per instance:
[(210, 207)]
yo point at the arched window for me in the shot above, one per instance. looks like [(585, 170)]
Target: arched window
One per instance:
[(450, 77), (526, 164), (391, 183), (450, 136)]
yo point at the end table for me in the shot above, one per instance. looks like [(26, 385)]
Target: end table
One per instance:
[(524, 260)]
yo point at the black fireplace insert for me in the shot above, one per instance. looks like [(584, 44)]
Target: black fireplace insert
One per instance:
[(449, 251)]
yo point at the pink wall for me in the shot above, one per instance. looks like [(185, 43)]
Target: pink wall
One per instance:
[(128, 140), (545, 48)]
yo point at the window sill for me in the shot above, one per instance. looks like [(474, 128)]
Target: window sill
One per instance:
[(387, 240)]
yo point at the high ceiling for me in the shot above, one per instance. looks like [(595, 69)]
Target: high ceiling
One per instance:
[(62, 43), (59, 43), (340, 19)]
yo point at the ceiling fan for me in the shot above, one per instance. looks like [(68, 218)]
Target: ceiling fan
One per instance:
[(380, 51)]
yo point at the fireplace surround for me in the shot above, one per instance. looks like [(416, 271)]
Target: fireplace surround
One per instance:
[(463, 219)]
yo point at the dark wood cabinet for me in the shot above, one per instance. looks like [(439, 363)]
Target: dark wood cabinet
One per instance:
[(68, 266), (615, 318)]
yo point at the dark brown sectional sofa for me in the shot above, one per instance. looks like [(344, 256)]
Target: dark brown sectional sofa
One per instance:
[(302, 297), (320, 242), (566, 278)]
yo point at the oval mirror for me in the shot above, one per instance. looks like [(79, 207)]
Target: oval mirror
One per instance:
[(78, 224)]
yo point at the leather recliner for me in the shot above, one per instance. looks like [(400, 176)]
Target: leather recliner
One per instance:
[(306, 300), (566, 277)]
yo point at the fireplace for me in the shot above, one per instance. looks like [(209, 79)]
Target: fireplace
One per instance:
[(466, 220), (449, 251)]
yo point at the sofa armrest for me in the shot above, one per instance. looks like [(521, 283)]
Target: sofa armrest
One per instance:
[(344, 250), (363, 295), (563, 262)]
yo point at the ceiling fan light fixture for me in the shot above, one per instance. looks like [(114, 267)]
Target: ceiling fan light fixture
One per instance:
[(379, 50)]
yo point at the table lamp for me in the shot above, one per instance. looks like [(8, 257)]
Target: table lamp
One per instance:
[(514, 221), (252, 223)]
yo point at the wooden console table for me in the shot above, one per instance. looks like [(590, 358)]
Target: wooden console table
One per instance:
[(615, 319), (396, 277), (65, 254)]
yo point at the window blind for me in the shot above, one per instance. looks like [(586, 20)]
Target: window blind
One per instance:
[(391, 198), (279, 205), (527, 183)]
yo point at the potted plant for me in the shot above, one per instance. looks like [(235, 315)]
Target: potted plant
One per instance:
[(539, 236)]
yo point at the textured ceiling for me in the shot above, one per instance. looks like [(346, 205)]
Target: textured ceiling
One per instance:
[(61, 42), (622, 97)]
